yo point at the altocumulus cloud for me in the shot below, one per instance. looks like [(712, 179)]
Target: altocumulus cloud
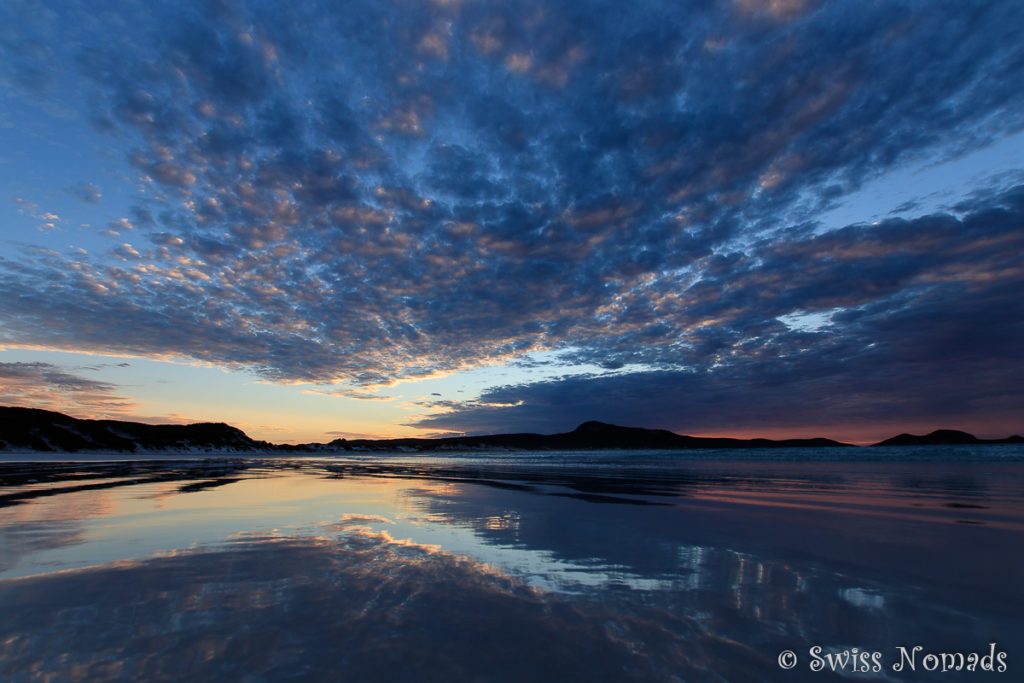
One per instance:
[(387, 190)]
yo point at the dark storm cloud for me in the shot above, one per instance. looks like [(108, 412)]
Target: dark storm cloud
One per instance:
[(391, 189)]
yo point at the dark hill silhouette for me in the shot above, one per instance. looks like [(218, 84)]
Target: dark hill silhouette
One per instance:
[(44, 430), (944, 437), (588, 436)]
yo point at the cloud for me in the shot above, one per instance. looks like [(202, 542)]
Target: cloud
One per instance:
[(358, 395), (25, 206), (350, 435), (89, 193), (378, 193), (120, 224), (917, 322), (48, 221), (47, 386)]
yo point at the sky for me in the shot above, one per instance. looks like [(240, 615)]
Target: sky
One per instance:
[(388, 218)]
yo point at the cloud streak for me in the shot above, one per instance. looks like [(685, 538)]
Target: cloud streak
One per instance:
[(47, 386)]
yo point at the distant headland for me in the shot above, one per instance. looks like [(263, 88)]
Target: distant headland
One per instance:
[(944, 437), (32, 429)]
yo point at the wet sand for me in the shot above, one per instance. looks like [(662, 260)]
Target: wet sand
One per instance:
[(471, 567)]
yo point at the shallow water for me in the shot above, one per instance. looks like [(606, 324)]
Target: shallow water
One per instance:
[(578, 566)]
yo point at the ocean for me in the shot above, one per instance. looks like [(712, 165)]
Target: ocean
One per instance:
[(783, 564)]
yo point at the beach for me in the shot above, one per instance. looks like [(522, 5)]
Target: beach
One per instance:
[(596, 566)]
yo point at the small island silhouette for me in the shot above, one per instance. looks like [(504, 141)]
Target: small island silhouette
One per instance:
[(32, 429)]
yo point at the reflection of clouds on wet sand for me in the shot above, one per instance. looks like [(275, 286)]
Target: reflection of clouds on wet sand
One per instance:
[(49, 523), (440, 570), (316, 608), (352, 518), (766, 544)]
